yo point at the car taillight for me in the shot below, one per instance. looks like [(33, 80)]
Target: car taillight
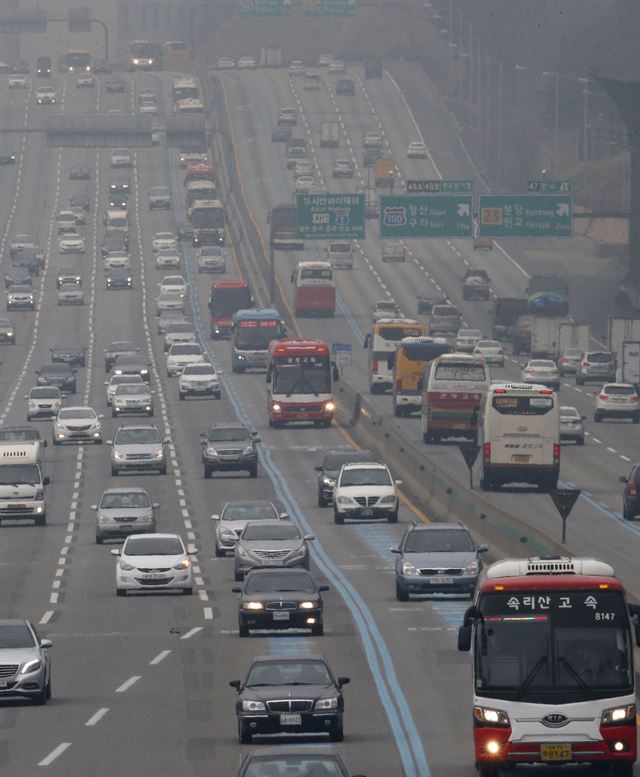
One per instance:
[(603, 396), (486, 452), (585, 364), (565, 360), (374, 365), (633, 489), (556, 453), (634, 397)]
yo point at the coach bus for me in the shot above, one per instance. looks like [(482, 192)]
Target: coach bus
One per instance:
[(77, 61), (314, 289), (381, 344), (552, 642), (410, 361), (144, 55), (225, 298), (251, 332)]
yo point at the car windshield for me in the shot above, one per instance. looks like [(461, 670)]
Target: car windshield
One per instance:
[(56, 370), (43, 393), (18, 435), (138, 437), (370, 476), (286, 580), (132, 389), (489, 344), (15, 635), (133, 499), (333, 461), (599, 358), (119, 380), (153, 546), (186, 350), (575, 352), (77, 413), (181, 327), (445, 310), (121, 346), (293, 766), (199, 369), (620, 390), (283, 531), (228, 435), (542, 364), (211, 251), (438, 541), (17, 474), (248, 512), (288, 673)]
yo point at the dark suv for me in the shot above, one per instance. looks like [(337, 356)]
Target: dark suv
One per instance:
[(631, 494), (330, 467), (598, 366), (437, 558), (229, 446)]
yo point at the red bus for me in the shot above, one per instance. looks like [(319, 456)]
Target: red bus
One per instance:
[(314, 289), (552, 645), (299, 382), (200, 173), (226, 297)]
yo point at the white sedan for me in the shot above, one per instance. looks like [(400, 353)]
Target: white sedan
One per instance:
[(167, 258), (121, 157), (71, 243), (174, 283), (416, 150), (164, 240), (225, 63), (543, 371), (119, 380), (181, 354), (77, 424), (199, 379), (304, 183), (165, 554), (85, 81), (491, 351), (17, 81), (245, 63)]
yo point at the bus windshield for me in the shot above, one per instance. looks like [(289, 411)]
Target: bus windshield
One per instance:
[(560, 645), (78, 59), (257, 335), (307, 375), (207, 218), (452, 371), (423, 352), (316, 273)]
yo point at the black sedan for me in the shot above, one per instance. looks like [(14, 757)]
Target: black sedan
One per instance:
[(68, 275), (185, 230), (118, 348), (293, 694), (80, 200), (118, 278), (17, 276), (280, 599), (329, 469), (132, 365), (69, 353), (60, 375), (114, 240), (79, 173), (281, 134), (293, 763), (30, 260)]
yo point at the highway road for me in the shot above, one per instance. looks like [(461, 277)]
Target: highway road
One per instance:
[(140, 685)]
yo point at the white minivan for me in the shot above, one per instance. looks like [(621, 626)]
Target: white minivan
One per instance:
[(519, 436)]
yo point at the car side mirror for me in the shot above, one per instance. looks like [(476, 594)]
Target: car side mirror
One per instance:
[(166, 440), (343, 681), (482, 548), (215, 517), (634, 614), (155, 505), (101, 415), (318, 469), (323, 588), (237, 684), (623, 479), (116, 552), (256, 437), (46, 480), (309, 537), (109, 442), (398, 482), (335, 373), (583, 417), (106, 382), (367, 339), (94, 507), (395, 550), (236, 589), (193, 552), (46, 643), (44, 442), (283, 516)]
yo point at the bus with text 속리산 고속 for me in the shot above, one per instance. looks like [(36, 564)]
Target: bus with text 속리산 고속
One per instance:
[(314, 289), (552, 661), (299, 382)]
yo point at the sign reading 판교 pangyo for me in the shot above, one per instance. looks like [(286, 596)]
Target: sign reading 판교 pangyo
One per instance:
[(410, 216), (322, 216), (526, 215)]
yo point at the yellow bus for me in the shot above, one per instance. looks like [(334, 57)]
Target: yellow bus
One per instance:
[(411, 360), (381, 344)]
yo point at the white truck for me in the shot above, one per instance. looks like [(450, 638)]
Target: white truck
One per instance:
[(270, 57), (630, 362), (551, 336), (22, 482), (621, 330), (329, 134)]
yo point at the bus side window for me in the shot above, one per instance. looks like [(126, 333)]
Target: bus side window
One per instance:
[(391, 360), (269, 371), (367, 341), (293, 276)]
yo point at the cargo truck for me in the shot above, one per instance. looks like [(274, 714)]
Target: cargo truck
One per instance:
[(551, 336), (270, 57), (329, 134), (621, 329), (506, 312), (630, 362), (22, 483), (373, 68), (283, 228)]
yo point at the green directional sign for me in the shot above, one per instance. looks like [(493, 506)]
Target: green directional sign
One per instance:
[(427, 216), (326, 216), (527, 215), (549, 187), (329, 9), (252, 9), (437, 186)]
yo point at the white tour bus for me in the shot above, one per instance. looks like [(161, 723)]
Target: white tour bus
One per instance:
[(381, 342), (519, 436)]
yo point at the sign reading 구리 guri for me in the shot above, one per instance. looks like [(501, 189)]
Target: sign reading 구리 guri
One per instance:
[(407, 216), (322, 216)]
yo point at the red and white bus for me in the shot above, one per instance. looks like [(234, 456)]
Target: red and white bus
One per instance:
[(552, 644), (314, 289), (456, 385), (299, 382)]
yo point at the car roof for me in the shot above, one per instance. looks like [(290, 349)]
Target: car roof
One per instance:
[(14, 622), (159, 535), (249, 502), (230, 425), (129, 427), (125, 490), (279, 657), (438, 526), (364, 465), (274, 522)]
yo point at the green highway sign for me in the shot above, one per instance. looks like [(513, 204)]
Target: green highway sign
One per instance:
[(252, 9), (326, 216), (526, 215), (329, 9), (429, 216), (438, 186), (549, 187)]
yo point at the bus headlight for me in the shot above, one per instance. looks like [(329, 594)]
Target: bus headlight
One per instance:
[(486, 716), (276, 408), (616, 716), (329, 407)]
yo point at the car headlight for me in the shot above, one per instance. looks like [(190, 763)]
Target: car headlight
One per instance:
[(212, 452), (242, 552), (306, 605), (472, 568), (32, 403), (486, 716), (253, 606), (252, 706), (159, 453), (387, 500), (300, 551), (345, 500), (184, 563), (145, 519), (327, 704), (247, 451), (408, 568), (276, 407), (31, 666), (118, 456), (126, 567), (328, 481), (616, 716), (102, 519), (329, 407), (228, 534)]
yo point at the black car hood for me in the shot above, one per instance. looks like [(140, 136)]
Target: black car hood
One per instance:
[(271, 692)]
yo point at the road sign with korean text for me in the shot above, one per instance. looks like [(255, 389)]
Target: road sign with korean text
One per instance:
[(409, 216), (327, 216), (527, 215)]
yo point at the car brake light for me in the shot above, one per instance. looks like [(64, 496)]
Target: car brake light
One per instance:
[(486, 452), (565, 360), (603, 396), (556, 453), (585, 364), (633, 489), (634, 397)]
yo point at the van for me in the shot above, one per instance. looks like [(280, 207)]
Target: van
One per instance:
[(444, 320), (340, 255), (117, 220), (43, 67), (22, 483)]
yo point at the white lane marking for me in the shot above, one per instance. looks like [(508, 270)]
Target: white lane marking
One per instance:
[(612, 450), (598, 442), (46, 617), (55, 753), (128, 683), (160, 657), (53, 598), (624, 458), (208, 613), (97, 716), (191, 632), (204, 596)]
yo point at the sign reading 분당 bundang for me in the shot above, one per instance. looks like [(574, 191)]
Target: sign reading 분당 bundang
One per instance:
[(437, 186), (407, 216), (326, 216), (526, 215)]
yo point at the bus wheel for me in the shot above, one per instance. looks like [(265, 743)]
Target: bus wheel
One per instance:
[(486, 484), (277, 424), (427, 437), (488, 770)]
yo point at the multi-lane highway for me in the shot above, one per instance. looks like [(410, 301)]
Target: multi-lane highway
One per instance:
[(140, 684)]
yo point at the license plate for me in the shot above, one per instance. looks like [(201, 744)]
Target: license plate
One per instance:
[(286, 719), (366, 512), (303, 416), (281, 616), (555, 752), (17, 506), (520, 459), (153, 576), (441, 580)]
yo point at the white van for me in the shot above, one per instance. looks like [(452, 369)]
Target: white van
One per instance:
[(340, 255), (22, 483), (519, 436)]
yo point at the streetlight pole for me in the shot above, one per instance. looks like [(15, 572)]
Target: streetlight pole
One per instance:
[(499, 143), (585, 120), (556, 120)]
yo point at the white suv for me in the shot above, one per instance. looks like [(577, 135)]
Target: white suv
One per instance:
[(365, 490), (618, 400)]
